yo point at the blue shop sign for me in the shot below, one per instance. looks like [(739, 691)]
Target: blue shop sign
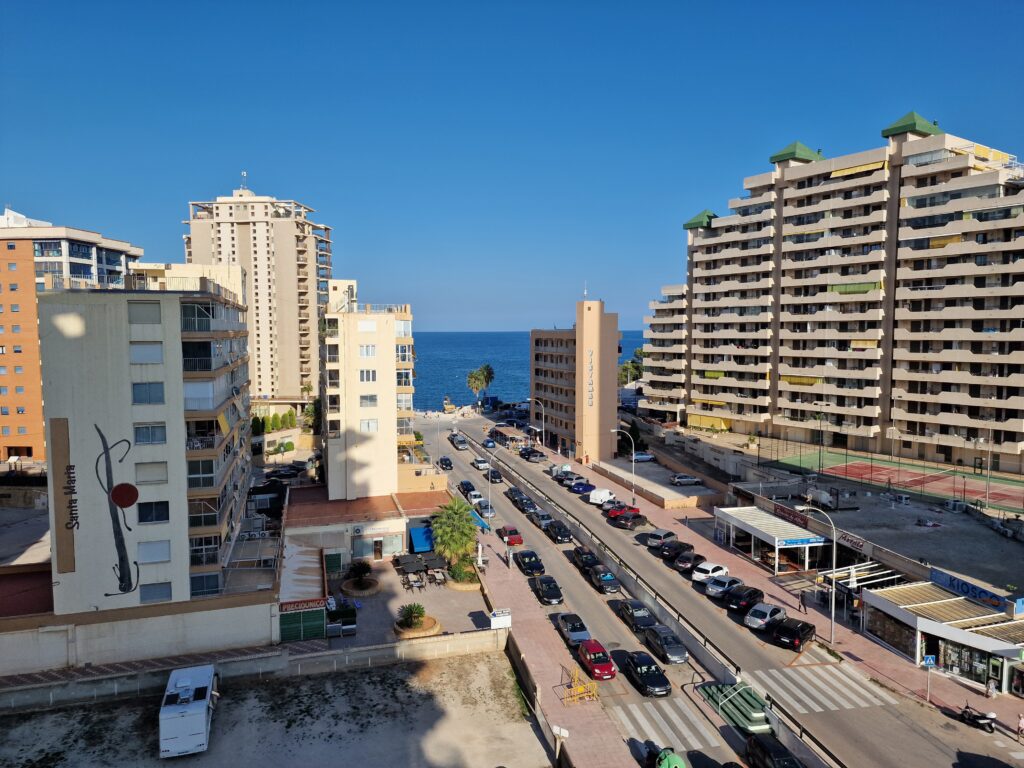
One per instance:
[(801, 542), (968, 590)]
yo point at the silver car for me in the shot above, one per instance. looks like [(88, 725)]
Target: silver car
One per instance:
[(572, 628), (763, 615), (719, 585)]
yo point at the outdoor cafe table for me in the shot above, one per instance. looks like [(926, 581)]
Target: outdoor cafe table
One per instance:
[(435, 562)]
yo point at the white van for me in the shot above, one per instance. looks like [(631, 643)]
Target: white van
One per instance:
[(187, 710), (600, 496)]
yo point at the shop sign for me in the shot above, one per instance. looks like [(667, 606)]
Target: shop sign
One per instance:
[(968, 590), (797, 518), (855, 543), (801, 542), (303, 605)]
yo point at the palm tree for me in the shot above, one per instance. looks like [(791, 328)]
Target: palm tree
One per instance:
[(454, 530), (486, 375), (475, 381)]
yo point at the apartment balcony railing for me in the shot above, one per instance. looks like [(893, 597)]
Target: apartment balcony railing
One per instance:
[(200, 443), (202, 514), (332, 358), (405, 357), (205, 556), (207, 324), (200, 364)]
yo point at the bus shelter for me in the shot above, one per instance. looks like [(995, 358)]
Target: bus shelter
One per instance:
[(766, 539)]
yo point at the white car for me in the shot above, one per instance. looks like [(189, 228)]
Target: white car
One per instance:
[(480, 464), (643, 456), (717, 586), (600, 496), (706, 571), (680, 479), (763, 615), (474, 496)]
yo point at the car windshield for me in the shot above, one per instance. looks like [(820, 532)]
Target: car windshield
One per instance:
[(606, 576), (758, 614), (575, 626), (647, 669), (599, 658), (670, 640), (528, 558)]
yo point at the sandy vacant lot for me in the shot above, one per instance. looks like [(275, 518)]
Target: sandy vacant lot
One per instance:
[(454, 712)]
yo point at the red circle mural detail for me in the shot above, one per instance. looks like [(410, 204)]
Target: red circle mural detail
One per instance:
[(124, 494)]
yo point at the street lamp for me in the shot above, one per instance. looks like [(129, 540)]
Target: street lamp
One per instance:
[(633, 460), (832, 600), (543, 420)]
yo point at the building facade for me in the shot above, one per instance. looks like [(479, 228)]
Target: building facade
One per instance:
[(574, 383), (147, 417), (872, 300), (666, 340), (288, 259), (38, 253), (366, 384)]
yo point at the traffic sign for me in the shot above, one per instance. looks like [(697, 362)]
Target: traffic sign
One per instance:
[(929, 661)]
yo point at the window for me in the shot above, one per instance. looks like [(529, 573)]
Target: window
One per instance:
[(4, 410), (154, 551), (155, 593), (3, 349), (10, 246), (367, 375), (367, 350), (12, 266), (17, 349), (18, 390), (150, 434), (367, 326), (15, 307), (19, 369), (205, 584), (150, 472), (14, 328), (368, 401), (146, 352), (13, 287), (3, 390), (367, 425), (20, 410), (154, 511), (5, 431), (148, 393), (3, 370), (403, 328), (144, 312), (22, 430)]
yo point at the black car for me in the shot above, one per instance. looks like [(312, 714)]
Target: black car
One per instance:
[(524, 453), (670, 550), (465, 487), (792, 633), (687, 561), (285, 473), (636, 615), (666, 644), (445, 463), (604, 580), (766, 751), (646, 675), (630, 521), (524, 503), (584, 558), (546, 589), (529, 563), (742, 598), (493, 476), (558, 532), (512, 493)]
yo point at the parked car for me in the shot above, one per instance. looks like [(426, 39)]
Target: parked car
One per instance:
[(646, 675), (465, 487), (621, 509), (558, 475), (763, 615), (493, 476), (540, 518), (659, 536), (525, 451), (474, 496), (525, 505), (581, 487), (766, 751), (611, 503), (536, 457), (572, 628), (458, 441), (603, 579), (488, 444), (642, 456), (528, 562), (558, 532), (595, 660), (512, 493), (284, 473), (600, 496), (570, 479), (687, 561), (484, 508), (546, 589), (707, 570), (717, 586), (673, 548), (510, 535), (630, 521), (480, 463), (742, 598), (792, 633), (584, 559), (635, 615), (666, 644), (681, 479), (445, 463)]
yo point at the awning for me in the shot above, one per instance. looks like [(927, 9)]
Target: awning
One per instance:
[(421, 539), (222, 421), (858, 169), (707, 422), (767, 527), (480, 522)]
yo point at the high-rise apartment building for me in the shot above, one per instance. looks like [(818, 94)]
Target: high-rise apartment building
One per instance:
[(288, 259), (574, 383), (38, 253), (147, 418), (366, 389), (873, 300), (665, 345)]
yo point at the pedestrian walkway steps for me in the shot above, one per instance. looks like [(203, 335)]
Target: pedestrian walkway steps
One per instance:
[(672, 722), (739, 705), (818, 688)]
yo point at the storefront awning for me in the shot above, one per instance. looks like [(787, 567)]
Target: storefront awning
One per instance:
[(422, 540), (769, 528)]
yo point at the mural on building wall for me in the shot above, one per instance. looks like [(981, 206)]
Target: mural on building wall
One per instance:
[(119, 497)]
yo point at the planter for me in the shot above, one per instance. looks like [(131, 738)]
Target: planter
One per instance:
[(460, 586), (428, 628), (348, 587)]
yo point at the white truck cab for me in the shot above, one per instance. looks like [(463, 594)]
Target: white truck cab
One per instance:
[(187, 710)]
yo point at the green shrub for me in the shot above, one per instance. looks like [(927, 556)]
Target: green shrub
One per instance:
[(462, 571), (410, 616), (275, 422), (289, 446)]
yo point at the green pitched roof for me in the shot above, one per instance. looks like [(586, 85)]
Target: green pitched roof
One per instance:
[(796, 151), (911, 123), (702, 219)]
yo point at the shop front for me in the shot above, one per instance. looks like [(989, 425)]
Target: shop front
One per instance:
[(777, 544)]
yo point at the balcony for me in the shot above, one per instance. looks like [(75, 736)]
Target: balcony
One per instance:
[(200, 442), (204, 514)]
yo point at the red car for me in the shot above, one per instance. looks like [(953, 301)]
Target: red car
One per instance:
[(595, 660), (620, 509), (510, 536)]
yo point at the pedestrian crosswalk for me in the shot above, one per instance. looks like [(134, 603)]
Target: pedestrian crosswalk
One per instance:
[(671, 721), (822, 687)]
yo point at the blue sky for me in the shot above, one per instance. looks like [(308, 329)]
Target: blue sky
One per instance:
[(478, 159)]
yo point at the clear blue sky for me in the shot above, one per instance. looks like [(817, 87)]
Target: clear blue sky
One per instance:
[(478, 159)]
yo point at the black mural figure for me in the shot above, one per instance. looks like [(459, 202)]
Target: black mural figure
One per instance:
[(122, 569)]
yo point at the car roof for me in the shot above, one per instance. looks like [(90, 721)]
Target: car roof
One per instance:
[(661, 532), (709, 564), (569, 617), (633, 603), (642, 657), (592, 646), (791, 623), (771, 744)]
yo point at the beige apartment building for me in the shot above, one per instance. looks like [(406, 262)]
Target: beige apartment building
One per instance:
[(665, 344), (366, 385), (872, 300), (574, 383), (288, 259)]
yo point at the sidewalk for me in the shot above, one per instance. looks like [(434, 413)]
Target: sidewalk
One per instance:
[(593, 741)]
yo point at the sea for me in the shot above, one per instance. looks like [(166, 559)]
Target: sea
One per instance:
[(444, 359)]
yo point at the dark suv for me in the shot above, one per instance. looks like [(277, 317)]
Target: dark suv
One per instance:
[(742, 598), (584, 558), (766, 751), (793, 633)]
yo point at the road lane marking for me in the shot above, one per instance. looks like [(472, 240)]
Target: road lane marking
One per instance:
[(780, 679), (815, 683), (857, 693), (697, 720), (875, 689), (777, 693), (667, 729), (809, 690), (649, 731)]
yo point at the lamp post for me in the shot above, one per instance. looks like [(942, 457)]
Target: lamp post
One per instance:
[(633, 461), (832, 599), (543, 421)]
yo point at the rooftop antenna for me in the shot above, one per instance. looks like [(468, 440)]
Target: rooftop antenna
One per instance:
[(244, 176), (584, 290)]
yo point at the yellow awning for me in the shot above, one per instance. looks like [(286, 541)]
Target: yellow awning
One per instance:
[(859, 169), (942, 242), (707, 422), (709, 402), (864, 344), (801, 381), (222, 420)]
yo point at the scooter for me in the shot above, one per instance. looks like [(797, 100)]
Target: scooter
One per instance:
[(978, 719)]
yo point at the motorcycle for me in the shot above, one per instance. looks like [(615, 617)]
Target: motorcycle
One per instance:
[(977, 718)]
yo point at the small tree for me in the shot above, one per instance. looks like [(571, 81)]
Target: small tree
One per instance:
[(475, 382), (358, 571), (257, 426), (290, 417), (454, 530), (266, 425), (275, 422), (288, 446), (410, 616)]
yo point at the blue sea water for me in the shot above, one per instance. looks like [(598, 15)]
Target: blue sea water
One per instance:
[(443, 360)]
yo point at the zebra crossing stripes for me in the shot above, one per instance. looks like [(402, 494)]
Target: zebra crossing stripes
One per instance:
[(819, 688), (665, 721)]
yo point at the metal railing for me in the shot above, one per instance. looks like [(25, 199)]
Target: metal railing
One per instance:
[(200, 443)]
